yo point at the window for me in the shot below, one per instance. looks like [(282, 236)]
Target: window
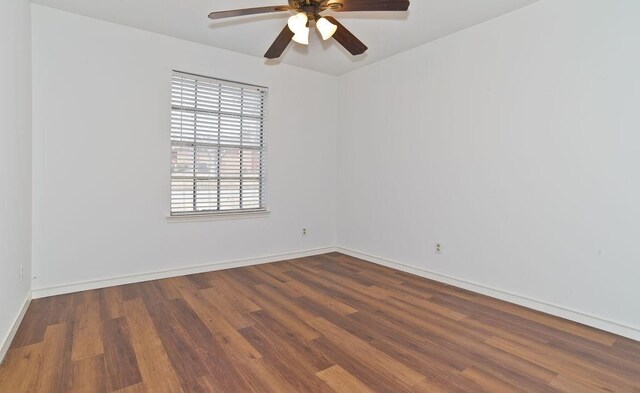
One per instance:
[(217, 146)]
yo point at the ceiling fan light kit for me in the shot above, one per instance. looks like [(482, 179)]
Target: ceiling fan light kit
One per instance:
[(298, 24), (307, 11)]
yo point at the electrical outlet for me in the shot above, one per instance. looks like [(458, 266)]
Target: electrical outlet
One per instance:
[(21, 274), (438, 248), (304, 231)]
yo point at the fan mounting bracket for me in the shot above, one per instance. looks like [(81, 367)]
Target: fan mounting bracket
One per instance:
[(313, 7)]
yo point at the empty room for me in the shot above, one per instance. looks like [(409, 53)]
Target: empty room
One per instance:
[(333, 196)]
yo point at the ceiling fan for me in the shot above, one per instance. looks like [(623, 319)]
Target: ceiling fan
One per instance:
[(307, 11)]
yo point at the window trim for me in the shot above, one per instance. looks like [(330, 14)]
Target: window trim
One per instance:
[(214, 215), (219, 216)]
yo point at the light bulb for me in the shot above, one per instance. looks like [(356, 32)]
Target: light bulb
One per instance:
[(297, 22), (327, 29), (302, 36)]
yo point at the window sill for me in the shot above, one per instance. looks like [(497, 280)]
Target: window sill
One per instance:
[(218, 216)]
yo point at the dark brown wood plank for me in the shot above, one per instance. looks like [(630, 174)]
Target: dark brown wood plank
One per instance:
[(56, 371), (182, 353), (120, 358), (302, 377)]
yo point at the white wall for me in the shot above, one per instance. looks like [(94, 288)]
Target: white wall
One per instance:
[(516, 144), (15, 161), (101, 154)]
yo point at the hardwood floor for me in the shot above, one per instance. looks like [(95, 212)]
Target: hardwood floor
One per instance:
[(329, 323)]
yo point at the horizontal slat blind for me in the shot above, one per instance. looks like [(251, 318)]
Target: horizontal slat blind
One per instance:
[(217, 146)]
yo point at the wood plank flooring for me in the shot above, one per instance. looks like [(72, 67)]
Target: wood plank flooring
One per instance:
[(328, 323)]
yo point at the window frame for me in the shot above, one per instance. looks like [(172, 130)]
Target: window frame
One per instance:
[(219, 213)]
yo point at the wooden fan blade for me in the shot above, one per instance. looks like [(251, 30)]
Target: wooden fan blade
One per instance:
[(347, 39), (368, 5), (248, 11), (280, 44)]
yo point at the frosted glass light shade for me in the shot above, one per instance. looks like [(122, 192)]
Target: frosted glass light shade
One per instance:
[(298, 22), (302, 36), (326, 28)]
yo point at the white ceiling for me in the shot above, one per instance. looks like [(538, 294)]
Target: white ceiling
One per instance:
[(385, 33)]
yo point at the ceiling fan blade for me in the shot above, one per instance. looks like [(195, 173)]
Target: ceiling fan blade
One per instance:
[(368, 5), (280, 44), (248, 11), (347, 39)]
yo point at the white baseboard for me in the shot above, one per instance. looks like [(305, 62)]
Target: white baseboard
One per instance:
[(8, 338), (559, 311), (134, 278)]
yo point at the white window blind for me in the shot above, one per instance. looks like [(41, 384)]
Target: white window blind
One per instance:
[(217, 146)]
